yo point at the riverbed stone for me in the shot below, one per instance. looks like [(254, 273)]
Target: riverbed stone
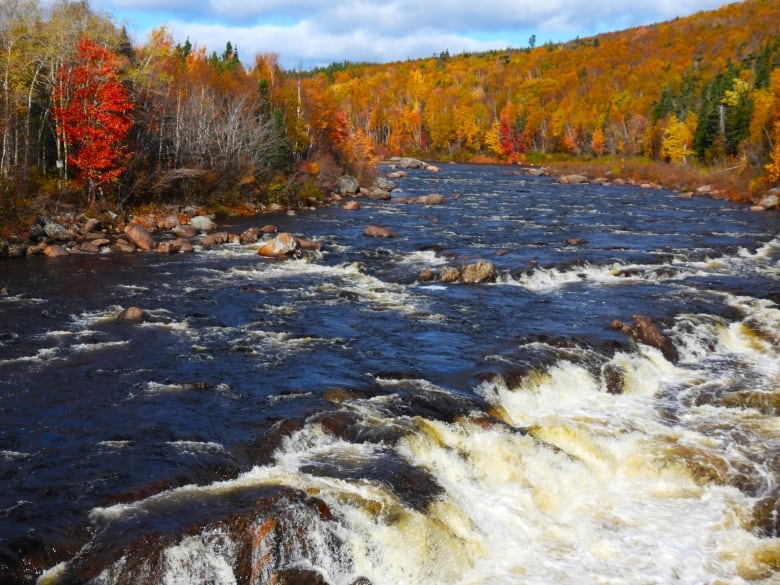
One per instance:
[(572, 179), (282, 245), (377, 231), (140, 236), (347, 185), (55, 250), (351, 206), (184, 231), (57, 232), (132, 315), (250, 235), (203, 223), (478, 272), (771, 201)]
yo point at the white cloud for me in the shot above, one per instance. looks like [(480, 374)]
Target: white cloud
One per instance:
[(316, 32)]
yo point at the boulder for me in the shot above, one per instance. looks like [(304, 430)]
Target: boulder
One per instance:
[(379, 194), (140, 236), (92, 225), (91, 247), (269, 229), (169, 222), (184, 231), (376, 231), (351, 206), (771, 201), (397, 175), (305, 244), (536, 172), (432, 169), (122, 245), (645, 331), (214, 239), (184, 245), (426, 275), (281, 245), (384, 183), (203, 223), (55, 250), (249, 236), (347, 185), (478, 272), (131, 314), (432, 199), (572, 179), (57, 232), (169, 247), (411, 163), (449, 274)]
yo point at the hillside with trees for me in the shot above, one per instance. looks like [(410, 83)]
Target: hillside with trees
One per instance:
[(698, 90), (88, 120)]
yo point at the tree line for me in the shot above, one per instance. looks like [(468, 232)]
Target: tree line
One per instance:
[(88, 119), (702, 89)]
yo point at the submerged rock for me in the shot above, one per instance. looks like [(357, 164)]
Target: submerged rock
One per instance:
[(282, 245), (132, 314), (646, 332), (376, 231)]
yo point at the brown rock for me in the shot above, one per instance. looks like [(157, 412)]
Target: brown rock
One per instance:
[(249, 236), (90, 247), (122, 245), (646, 332), (426, 275), (55, 251), (132, 314), (449, 274), (305, 244), (478, 272), (185, 231), (184, 245), (214, 239), (432, 199), (140, 237), (172, 247), (572, 179), (283, 244), (269, 229), (351, 206), (376, 231)]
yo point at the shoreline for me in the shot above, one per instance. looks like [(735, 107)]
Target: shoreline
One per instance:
[(177, 228)]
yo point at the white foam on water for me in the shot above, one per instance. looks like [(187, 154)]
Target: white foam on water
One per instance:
[(197, 447), (41, 356)]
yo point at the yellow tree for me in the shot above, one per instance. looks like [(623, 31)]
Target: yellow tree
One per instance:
[(677, 141), (773, 166)]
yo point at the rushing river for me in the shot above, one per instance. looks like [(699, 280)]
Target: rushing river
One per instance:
[(332, 419)]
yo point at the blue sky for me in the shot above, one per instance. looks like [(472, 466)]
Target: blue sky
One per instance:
[(315, 33)]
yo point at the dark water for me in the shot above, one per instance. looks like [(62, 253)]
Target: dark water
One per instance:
[(326, 375)]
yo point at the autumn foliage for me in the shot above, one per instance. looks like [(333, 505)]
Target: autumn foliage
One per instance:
[(92, 115), (165, 121)]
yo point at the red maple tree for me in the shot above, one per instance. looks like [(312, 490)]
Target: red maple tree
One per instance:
[(92, 115)]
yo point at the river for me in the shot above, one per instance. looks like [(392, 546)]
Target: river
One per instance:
[(333, 419)]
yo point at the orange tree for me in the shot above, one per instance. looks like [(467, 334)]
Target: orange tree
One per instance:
[(92, 116)]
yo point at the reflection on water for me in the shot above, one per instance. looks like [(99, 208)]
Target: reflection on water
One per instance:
[(333, 418)]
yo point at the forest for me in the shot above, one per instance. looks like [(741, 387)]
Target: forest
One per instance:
[(90, 119)]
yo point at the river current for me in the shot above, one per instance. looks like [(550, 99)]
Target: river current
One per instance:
[(333, 419)]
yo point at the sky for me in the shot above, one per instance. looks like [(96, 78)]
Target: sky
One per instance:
[(316, 33)]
